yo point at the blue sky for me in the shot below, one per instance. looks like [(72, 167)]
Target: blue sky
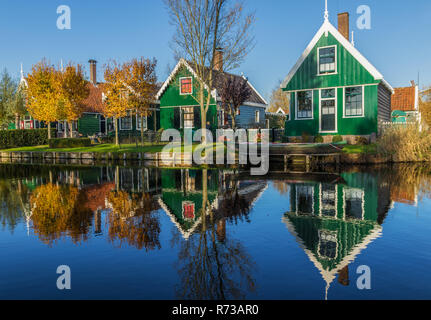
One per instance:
[(397, 44)]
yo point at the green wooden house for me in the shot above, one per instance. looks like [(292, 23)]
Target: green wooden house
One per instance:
[(334, 89), (179, 108)]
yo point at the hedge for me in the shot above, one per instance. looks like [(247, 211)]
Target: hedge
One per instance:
[(24, 138), (69, 143)]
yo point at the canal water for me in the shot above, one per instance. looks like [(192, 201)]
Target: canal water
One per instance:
[(130, 232)]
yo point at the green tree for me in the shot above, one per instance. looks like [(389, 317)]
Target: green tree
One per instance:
[(8, 90)]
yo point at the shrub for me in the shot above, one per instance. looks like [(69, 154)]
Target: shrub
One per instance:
[(24, 138), (405, 143), (159, 135), (361, 141), (318, 139), (337, 139), (69, 143)]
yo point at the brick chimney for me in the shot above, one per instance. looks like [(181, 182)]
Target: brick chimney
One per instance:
[(93, 71), (218, 59), (343, 25)]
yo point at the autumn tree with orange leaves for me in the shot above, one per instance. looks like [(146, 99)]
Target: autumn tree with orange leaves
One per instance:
[(73, 91), (43, 95), (141, 80), (117, 102)]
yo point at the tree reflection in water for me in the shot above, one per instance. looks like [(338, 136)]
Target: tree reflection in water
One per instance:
[(212, 266), (132, 220), (59, 211), (13, 202)]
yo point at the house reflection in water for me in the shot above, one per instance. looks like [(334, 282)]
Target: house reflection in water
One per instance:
[(335, 217), (184, 193)]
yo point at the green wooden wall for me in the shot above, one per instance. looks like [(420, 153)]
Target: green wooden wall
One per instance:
[(346, 126), (89, 124)]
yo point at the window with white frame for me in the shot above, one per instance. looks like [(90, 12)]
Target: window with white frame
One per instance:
[(141, 121), (186, 85), (353, 200), (327, 244), (126, 122), (188, 116), (328, 110), (304, 104), (257, 116), (327, 60), (28, 122), (353, 102), (328, 199)]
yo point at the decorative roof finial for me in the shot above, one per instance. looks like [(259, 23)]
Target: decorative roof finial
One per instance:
[(353, 38), (326, 16)]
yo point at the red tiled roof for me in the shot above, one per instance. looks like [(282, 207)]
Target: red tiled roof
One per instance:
[(94, 102), (404, 99)]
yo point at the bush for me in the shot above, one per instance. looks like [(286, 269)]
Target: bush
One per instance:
[(337, 139), (24, 138), (318, 139), (69, 143), (361, 141), (405, 143)]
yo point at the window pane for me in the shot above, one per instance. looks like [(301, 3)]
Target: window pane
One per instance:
[(327, 60), (328, 93), (188, 116), (353, 198), (353, 102), (304, 198), (186, 86), (305, 104)]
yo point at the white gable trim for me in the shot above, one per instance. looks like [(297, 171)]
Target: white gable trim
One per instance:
[(325, 28), (254, 89), (180, 63)]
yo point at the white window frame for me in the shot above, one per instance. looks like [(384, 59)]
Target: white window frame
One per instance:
[(257, 116), (336, 109), (344, 200), (186, 94), (131, 123), (318, 61), (296, 105), (363, 103), (138, 126), (183, 121), (321, 202)]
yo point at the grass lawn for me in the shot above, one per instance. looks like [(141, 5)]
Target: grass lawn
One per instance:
[(367, 149), (105, 148)]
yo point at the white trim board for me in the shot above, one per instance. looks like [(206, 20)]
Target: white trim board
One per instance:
[(325, 28)]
